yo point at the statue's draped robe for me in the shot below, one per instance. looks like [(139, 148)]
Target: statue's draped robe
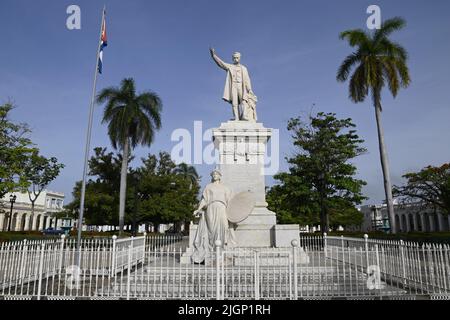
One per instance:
[(213, 224)]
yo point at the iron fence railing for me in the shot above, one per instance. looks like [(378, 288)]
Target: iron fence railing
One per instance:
[(153, 268)]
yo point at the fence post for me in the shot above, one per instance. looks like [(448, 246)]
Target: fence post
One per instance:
[(295, 244), (325, 243), (257, 297), (145, 248), (366, 248), (113, 256), (61, 253), (41, 264), (22, 264), (218, 246), (402, 252), (130, 247), (378, 279)]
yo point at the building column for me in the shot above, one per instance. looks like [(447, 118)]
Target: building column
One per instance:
[(41, 223), (2, 219), (406, 219), (18, 224), (33, 226)]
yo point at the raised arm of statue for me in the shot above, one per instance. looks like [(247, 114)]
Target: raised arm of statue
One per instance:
[(218, 61)]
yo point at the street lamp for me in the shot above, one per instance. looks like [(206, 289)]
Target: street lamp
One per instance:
[(12, 199)]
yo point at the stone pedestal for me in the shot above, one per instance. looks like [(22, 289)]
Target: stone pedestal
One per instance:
[(242, 147)]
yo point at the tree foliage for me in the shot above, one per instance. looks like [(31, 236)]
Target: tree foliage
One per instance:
[(102, 200), (158, 191), (39, 171), (430, 187), (320, 185), (15, 149), (132, 120), (377, 61), (169, 194)]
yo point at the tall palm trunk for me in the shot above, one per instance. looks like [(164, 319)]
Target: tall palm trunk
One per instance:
[(123, 185), (385, 168)]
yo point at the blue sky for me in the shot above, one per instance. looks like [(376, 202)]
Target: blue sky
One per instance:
[(291, 48)]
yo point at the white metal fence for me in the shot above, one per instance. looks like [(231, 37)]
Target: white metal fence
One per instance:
[(133, 269)]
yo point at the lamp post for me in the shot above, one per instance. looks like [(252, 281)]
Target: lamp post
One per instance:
[(12, 199)]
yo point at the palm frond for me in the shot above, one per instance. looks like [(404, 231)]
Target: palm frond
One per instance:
[(358, 88), (346, 66), (388, 27), (356, 37), (391, 75)]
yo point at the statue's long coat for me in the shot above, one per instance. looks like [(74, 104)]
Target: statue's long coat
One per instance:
[(246, 83)]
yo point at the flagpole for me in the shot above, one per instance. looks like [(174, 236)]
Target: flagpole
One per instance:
[(88, 140)]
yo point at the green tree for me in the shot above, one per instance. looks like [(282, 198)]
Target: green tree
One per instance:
[(320, 184), (39, 171), (102, 201), (132, 120), (188, 172), (377, 61), (430, 187), (167, 196), (15, 149)]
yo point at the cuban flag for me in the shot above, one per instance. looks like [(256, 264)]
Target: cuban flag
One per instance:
[(103, 44)]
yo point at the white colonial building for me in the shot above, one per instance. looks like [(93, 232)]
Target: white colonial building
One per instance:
[(46, 206), (408, 218)]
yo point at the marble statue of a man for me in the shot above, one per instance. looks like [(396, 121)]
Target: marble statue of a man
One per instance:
[(238, 87), (213, 224)]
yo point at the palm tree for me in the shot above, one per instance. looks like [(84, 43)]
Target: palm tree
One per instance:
[(132, 120), (377, 61), (187, 172)]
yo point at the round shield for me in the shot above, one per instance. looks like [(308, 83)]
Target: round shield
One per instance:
[(240, 207)]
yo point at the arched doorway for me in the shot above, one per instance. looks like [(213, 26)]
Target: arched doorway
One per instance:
[(426, 224), (14, 222), (437, 225), (404, 224), (412, 226), (23, 222), (30, 223), (44, 224), (419, 225), (38, 222), (397, 223)]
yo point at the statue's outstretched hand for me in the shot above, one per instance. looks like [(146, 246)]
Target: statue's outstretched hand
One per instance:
[(213, 51)]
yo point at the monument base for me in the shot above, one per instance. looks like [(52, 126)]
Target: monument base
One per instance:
[(267, 237)]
